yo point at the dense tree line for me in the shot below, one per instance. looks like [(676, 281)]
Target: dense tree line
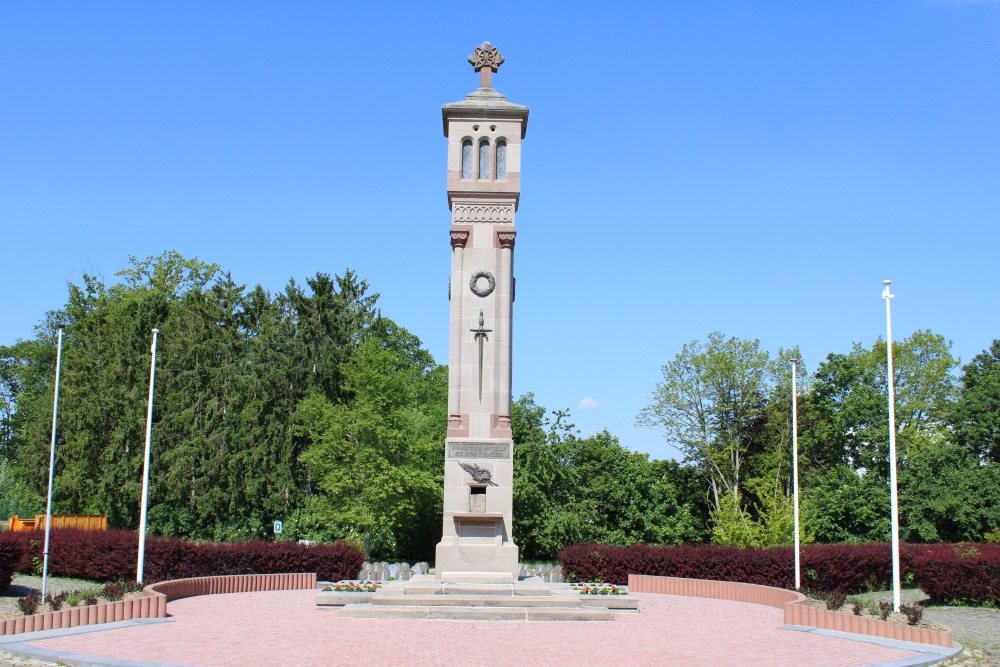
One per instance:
[(256, 396), (311, 407), (726, 404)]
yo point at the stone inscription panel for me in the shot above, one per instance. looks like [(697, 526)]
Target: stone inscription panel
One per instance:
[(478, 450)]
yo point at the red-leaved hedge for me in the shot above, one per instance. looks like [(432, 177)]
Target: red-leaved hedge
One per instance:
[(10, 556), (843, 567), (111, 555), (964, 572), (957, 572)]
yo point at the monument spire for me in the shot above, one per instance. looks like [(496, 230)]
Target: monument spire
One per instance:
[(484, 134), (486, 60)]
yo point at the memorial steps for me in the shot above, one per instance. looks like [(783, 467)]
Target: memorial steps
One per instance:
[(425, 597)]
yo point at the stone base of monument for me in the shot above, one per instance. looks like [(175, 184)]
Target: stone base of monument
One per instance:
[(476, 578), (426, 597)]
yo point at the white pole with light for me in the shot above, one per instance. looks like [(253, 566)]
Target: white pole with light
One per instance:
[(145, 464), (893, 501), (52, 464), (795, 471)]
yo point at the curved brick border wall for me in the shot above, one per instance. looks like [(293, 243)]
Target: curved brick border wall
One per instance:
[(105, 612), (230, 583), (154, 603), (791, 602)]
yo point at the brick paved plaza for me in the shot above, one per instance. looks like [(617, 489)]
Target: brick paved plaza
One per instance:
[(283, 628)]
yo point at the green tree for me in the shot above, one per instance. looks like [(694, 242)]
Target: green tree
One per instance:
[(849, 402), (946, 495), (569, 489), (711, 397), (368, 456), (848, 506), (976, 416)]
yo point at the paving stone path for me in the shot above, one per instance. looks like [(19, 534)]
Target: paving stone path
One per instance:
[(281, 628), (976, 628)]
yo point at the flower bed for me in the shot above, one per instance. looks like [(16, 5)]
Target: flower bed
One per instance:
[(33, 603), (353, 587), (598, 588)]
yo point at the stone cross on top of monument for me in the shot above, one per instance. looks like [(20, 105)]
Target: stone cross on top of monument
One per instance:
[(486, 60)]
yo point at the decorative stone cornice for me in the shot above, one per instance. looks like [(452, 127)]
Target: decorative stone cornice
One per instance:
[(495, 213), (459, 238)]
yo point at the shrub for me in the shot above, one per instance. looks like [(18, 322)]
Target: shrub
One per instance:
[(11, 553), (958, 573), (111, 556), (913, 612), (884, 609), (830, 567), (29, 604), (56, 602), (113, 591), (856, 608), (836, 600), (83, 595)]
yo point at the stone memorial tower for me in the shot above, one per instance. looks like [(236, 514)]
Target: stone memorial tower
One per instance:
[(484, 134)]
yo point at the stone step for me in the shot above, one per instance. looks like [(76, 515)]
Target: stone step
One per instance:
[(477, 589), (478, 601), (616, 602), (456, 613)]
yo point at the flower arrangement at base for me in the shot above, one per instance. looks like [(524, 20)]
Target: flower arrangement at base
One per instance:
[(354, 587), (598, 588)]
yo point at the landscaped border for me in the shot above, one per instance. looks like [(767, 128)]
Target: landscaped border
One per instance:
[(791, 603), (153, 604)]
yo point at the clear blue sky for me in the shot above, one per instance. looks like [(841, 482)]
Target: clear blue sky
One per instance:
[(752, 168)]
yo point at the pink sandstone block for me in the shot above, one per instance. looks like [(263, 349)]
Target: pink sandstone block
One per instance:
[(18, 626), (74, 617), (46, 620)]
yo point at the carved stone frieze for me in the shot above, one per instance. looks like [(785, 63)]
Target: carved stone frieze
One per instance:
[(459, 238), (499, 213)]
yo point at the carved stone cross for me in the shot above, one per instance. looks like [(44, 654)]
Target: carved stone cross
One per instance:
[(486, 59)]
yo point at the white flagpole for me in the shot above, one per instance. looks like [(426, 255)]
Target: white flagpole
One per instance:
[(52, 464), (795, 471), (893, 501), (145, 464)]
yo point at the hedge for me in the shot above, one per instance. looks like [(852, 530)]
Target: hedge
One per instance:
[(10, 556), (946, 572), (111, 555), (965, 573)]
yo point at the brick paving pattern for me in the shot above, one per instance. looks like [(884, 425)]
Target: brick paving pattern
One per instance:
[(283, 628)]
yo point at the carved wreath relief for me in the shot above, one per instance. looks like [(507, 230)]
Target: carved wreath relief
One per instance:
[(482, 284)]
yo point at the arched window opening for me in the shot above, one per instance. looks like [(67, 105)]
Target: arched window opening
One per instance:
[(484, 159), (467, 158), (501, 159)]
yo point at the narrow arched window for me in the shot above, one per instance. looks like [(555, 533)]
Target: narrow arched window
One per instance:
[(467, 158), (501, 159), (484, 159)]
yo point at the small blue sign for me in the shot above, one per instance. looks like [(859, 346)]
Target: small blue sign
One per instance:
[(277, 526)]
